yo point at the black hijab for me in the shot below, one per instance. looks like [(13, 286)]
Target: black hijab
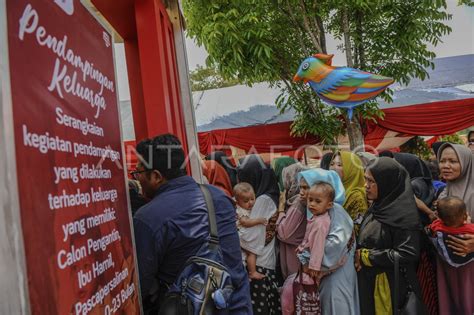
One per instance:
[(420, 179), (435, 146), (415, 167), (221, 158), (326, 161), (395, 204), (254, 171), (386, 153)]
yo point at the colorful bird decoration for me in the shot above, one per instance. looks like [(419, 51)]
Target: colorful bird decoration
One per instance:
[(342, 87)]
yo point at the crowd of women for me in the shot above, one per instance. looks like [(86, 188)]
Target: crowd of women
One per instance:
[(389, 243)]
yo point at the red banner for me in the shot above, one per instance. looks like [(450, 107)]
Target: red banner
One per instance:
[(71, 183)]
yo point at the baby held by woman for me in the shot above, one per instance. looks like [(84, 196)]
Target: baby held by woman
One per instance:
[(311, 251), (245, 199)]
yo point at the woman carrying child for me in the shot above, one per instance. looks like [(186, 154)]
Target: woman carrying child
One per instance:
[(455, 285), (264, 292), (337, 289), (291, 224)]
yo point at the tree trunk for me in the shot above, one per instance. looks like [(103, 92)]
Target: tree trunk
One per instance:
[(354, 131)]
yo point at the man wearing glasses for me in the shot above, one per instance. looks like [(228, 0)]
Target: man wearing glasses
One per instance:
[(174, 224)]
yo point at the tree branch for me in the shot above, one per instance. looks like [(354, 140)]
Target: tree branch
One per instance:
[(360, 40), (307, 26), (347, 38), (290, 13), (322, 34)]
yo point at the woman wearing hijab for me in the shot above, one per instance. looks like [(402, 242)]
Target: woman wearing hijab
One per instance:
[(278, 164), (390, 227), (421, 183), (366, 158), (217, 176), (338, 290), (224, 161), (351, 171), (252, 170), (455, 285), (291, 224)]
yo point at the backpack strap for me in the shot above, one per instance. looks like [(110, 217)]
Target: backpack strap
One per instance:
[(211, 215), (396, 271)]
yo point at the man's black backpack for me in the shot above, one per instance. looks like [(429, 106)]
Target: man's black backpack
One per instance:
[(204, 286)]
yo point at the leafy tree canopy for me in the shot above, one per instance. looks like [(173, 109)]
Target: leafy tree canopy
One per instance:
[(265, 40), (205, 78)]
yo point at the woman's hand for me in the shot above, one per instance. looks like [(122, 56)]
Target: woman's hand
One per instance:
[(432, 216), (461, 244), (357, 264), (424, 208)]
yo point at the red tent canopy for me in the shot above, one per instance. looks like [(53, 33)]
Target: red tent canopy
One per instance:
[(437, 118), (260, 138), (433, 119)]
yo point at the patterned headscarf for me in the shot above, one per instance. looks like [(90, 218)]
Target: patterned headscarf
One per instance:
[(290, 181), (278, 164)]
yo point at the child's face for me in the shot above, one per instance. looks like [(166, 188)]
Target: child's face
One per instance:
[(318, 200), (246, 200)]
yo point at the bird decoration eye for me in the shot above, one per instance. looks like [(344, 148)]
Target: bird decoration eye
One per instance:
[(305, 66)]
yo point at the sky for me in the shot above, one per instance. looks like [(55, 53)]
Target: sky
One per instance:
[(459, 42)]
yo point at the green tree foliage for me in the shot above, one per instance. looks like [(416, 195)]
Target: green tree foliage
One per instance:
[(205, 78), (454, 138), (420, 148), (469, 3), (265, 40), (417, 146)]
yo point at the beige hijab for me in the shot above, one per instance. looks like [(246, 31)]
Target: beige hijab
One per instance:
[(463, 186)]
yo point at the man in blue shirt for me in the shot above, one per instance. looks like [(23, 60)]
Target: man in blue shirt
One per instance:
[(174, 224)]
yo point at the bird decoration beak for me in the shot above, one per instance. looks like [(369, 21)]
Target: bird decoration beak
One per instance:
[(297, 78)]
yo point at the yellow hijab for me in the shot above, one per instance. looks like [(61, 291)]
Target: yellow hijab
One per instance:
[(354, 184), (353, 172)]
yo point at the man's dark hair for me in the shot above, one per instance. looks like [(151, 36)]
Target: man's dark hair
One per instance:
[(470, 135), (165, 154), (451, 211)]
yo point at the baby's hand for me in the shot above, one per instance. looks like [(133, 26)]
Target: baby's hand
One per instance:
[(468, 219), (264, 221)]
